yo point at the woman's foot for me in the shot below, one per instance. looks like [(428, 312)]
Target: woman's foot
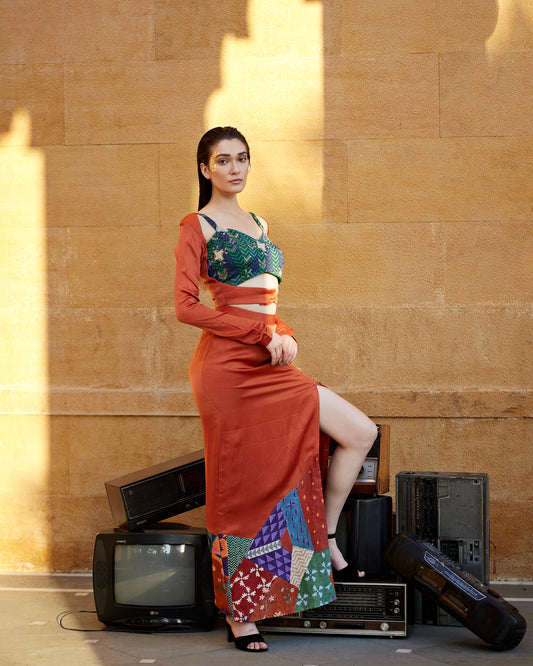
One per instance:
[(342, 571), (245, 636)]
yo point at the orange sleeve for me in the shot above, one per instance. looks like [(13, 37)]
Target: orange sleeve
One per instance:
[(283, 329), (191, 255)]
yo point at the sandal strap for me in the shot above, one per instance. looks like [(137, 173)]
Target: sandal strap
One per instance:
[(242, 642)]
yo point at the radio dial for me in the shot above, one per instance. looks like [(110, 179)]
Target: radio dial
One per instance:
[(323, 625), (307, 624), (384, 626)]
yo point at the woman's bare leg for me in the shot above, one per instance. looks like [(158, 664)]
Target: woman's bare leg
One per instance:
[(354, 433)]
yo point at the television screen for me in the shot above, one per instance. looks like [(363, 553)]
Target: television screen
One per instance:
[(156, 579), (154, 574)]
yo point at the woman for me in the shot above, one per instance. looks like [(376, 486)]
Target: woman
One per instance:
[(272, 530)]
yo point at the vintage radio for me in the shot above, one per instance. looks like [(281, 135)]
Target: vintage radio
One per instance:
[(158, 492), (361, 609)]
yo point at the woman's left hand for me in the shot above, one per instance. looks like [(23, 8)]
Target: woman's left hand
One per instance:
[(289, 350)]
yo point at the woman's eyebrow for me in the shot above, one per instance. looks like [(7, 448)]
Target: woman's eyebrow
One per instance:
[(228, 154)]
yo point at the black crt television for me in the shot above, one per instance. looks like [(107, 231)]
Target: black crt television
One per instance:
[(156, 579)]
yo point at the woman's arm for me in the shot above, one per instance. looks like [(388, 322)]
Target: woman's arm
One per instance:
[(190, 253)]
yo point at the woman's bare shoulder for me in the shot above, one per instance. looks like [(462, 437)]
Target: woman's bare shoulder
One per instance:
[(262, 221)]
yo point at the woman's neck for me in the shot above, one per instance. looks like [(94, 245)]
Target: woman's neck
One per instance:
[(224, 205)]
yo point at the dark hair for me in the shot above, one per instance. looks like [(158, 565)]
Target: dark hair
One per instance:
[(205, 147)]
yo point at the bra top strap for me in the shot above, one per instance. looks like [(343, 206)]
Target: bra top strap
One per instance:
[(211, 222), (258, 222)]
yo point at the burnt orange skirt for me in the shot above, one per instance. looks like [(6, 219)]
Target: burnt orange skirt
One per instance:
[(264, 503)]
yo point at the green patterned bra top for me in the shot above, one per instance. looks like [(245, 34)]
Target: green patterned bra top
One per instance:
[(234, 257)]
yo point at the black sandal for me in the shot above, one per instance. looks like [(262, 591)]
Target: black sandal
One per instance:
[(349, 573), (242, 642)]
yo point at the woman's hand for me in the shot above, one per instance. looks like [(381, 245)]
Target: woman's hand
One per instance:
[(283, 349)]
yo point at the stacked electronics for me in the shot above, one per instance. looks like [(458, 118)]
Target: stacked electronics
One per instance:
[(451, 511), (155, 576), (431, 567), (442, 549)]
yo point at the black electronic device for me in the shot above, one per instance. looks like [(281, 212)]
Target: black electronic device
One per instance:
[(157, 492), (370, 531), (451, 511), (462, 595), (361, 609), (154, 580)]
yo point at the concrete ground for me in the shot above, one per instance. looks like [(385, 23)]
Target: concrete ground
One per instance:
[(30, 635)]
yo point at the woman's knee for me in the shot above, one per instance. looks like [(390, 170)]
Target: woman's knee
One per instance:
[(361, 435), (369, 434)]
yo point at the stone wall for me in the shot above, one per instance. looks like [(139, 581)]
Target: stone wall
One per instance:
[(392, 155)]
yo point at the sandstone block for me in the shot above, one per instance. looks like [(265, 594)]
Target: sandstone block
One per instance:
[(106, 348), (102, 186), (381, 96), (488, 262), (321, 343), (511, 527), (179, 32), (26, 453), (441, 402), (236, 27), (38, 89), (23, 514), (23, 190), (76, 31), (482, 97), (512, 31), (484, 444), (370, 264), (286, 183), (23, 267), (24, 348), (415, 27), (178, 181), (463, 179), (137, 102), (436, 348), (109, 267), (284, 99), (74, 525)]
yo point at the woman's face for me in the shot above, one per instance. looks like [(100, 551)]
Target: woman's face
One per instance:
[(228, 166)]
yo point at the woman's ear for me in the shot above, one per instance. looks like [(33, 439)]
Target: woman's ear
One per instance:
[(205, 171)]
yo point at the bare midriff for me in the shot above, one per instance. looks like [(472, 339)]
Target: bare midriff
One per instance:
[(263, 281)]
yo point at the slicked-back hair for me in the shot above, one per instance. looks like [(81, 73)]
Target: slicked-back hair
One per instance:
[(203, 154)]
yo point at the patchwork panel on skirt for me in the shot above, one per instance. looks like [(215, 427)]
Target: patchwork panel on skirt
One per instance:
[(285, 568)]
